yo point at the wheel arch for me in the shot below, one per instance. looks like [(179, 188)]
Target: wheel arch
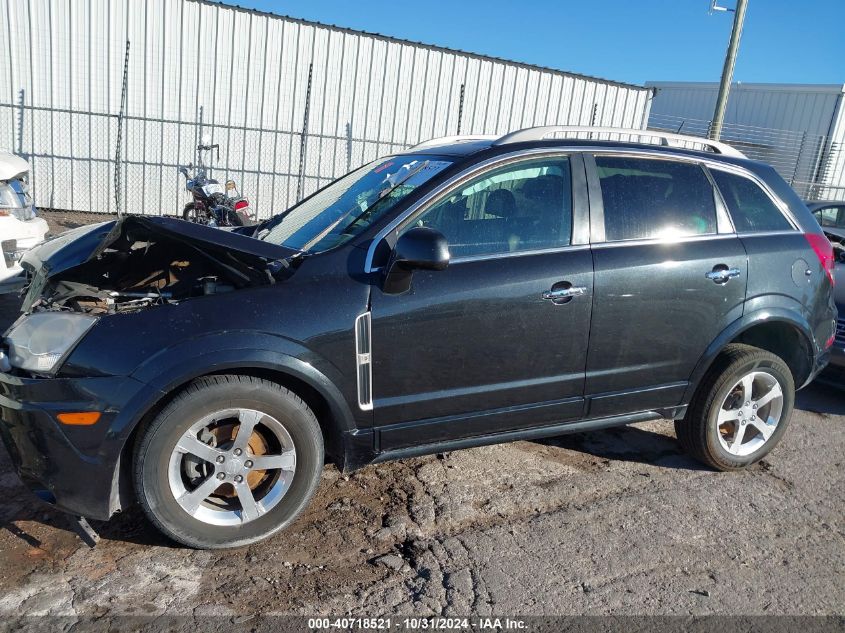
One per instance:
[(778, 331), (319, 393)]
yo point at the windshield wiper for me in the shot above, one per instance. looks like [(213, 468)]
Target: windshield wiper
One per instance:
[(381, 196)]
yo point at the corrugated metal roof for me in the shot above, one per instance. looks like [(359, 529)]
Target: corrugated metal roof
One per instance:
[(435, 47), (739, 85)]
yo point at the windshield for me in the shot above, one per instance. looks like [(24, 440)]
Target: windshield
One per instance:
[(346, 207)]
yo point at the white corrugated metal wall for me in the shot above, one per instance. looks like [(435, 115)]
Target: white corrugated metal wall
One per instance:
[(803, 125), (243, 76)]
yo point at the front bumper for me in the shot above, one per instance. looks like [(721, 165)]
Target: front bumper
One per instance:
[(77, 468)]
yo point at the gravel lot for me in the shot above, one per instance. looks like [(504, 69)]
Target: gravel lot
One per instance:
[(613, 522)]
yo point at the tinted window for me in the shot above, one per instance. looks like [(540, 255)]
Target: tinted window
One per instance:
[(654, 198), (521, 207), (751, 208)]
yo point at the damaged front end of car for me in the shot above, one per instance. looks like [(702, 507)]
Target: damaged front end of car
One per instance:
[(128, 265), (137, 262)]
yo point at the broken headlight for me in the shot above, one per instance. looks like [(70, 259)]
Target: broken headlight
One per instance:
[(38, 341)]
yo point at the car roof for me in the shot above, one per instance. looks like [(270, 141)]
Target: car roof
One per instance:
[(471, 148), (468, 145)]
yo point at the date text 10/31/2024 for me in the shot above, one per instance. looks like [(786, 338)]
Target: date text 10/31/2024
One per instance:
[(418, 624)]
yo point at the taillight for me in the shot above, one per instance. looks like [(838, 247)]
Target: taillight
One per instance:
[(824, 251), (241, 204)]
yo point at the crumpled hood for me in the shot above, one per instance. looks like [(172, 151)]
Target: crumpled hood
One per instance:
[(76, 246)]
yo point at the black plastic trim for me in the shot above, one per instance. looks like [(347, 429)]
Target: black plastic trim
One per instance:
[(521, 434)]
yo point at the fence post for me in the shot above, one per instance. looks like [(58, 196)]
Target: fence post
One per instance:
[(349, 147), (21, 115), (302, 144), (120, 116), (461, 109), (198, 140)]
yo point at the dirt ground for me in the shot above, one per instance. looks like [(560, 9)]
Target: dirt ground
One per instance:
[(612, 522)]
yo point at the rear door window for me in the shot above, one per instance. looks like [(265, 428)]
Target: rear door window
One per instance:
[(654, 198), (750, 207)]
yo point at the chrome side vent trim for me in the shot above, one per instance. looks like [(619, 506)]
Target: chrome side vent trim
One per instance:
[(364, 360)]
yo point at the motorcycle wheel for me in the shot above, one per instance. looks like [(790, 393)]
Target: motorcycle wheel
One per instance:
[(190, 214)]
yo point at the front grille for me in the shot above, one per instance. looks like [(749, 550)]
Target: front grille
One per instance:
[(840, 331)]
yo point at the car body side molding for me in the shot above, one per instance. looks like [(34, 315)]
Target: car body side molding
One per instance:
[(520, 434)]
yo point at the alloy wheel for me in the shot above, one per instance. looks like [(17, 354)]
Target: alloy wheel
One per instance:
[(232, 466), (750, 413)]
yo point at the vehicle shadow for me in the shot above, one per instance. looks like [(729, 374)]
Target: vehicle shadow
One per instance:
[(22, 513), (128, 527), (825, 396), (629, 444)]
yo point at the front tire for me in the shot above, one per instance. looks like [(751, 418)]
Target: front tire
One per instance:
[(741, 409), (230, 461)]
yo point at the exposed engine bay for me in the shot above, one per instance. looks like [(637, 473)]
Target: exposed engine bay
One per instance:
[(144, 262)]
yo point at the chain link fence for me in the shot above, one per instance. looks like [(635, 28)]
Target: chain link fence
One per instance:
[(107, 98), (275, 168), (73, 167)]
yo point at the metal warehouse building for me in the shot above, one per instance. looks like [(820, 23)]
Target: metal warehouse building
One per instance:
[(800, 129), (292, 104)]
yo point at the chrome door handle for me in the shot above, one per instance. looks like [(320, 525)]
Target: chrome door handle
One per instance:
[(564, 293), (722, 275)]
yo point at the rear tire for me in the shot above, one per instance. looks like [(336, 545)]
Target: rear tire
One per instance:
[(205, 485), (741, 409), (190, 214)]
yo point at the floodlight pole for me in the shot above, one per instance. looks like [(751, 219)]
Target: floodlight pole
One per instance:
[(728, 70)]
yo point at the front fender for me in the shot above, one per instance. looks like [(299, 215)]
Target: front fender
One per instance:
[(178, 364), (744, 323)]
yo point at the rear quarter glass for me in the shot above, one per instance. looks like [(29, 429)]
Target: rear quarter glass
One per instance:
[(751, 208)]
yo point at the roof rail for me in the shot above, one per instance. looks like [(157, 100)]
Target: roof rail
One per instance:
[(539, 133), (461, 138)]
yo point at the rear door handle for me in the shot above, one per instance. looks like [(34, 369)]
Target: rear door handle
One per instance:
[(563, 295), (722, 274)]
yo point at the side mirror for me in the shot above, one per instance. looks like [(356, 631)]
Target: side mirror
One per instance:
[(420, 248)]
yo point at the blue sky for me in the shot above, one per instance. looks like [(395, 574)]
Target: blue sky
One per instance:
[(797, 41)]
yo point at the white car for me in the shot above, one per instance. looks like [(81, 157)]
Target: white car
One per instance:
[(20, 227)]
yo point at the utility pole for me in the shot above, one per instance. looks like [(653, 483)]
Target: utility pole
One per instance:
[(728, 70)]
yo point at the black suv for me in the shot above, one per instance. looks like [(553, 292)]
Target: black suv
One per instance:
[(464, 292)]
